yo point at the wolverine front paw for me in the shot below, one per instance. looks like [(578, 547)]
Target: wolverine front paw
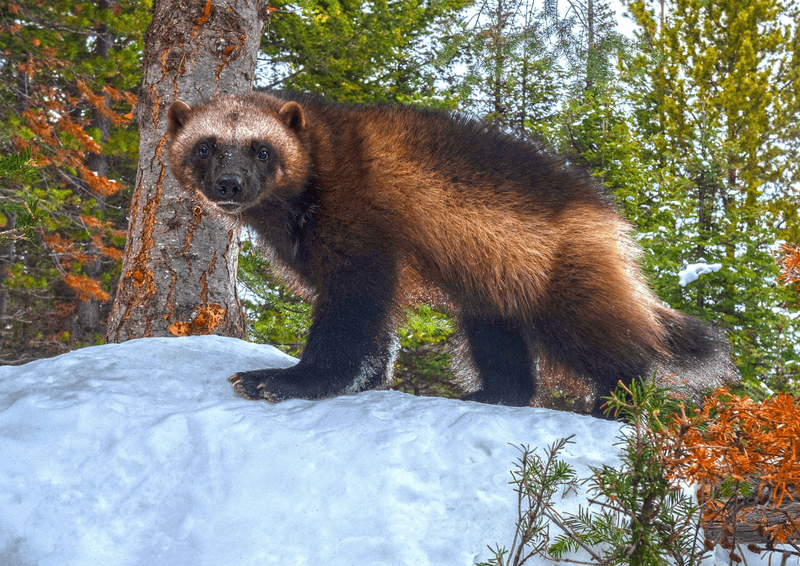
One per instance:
[(260, 384), (277, 385)]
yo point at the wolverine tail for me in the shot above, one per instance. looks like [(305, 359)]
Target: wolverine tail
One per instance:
[(699, 355)]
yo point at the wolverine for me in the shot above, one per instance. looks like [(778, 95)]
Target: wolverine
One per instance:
[(367, 209)]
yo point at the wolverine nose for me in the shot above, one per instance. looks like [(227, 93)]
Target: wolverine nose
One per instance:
[(229, 186)]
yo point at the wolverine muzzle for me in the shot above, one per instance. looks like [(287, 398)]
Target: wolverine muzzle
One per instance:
[(228, 186)]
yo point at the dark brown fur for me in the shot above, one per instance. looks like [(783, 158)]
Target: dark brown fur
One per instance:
[(371, 207)]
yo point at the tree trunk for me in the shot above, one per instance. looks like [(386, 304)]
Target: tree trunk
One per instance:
[(589, 44), (87, 325), (7, 253), (179, 269)]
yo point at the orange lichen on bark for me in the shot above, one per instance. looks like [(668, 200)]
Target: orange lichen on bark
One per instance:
[(201, 20), (206, 318), (206, 11)]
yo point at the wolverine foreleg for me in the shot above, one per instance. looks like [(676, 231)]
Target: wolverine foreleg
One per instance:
[(349, 346)]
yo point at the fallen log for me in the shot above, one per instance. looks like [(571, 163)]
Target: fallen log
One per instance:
[(760, 519)]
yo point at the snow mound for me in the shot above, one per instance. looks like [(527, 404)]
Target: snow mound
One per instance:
[(141, 453)]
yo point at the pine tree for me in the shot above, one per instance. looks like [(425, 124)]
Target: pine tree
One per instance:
[(359, 51), (53, 81), (512, 74), (714, 97)]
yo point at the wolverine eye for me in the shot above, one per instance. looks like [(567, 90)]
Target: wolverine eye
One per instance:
[(202, 151), (263, 154)]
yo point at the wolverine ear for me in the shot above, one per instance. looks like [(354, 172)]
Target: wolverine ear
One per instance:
[(292, 116), (177, 115)]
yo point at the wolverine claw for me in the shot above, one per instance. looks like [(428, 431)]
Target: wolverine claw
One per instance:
[(248, 388), (256, 385)]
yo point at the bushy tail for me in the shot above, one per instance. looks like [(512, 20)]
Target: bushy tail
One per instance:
[(699, 354)]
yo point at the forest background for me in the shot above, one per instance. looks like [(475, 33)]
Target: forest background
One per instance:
[(690, 119)]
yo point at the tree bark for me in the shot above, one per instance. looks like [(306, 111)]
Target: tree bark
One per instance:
[(758, 513), (179, 268), (7, 253)]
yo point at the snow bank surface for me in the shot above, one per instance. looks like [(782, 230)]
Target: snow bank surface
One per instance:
[(141, 453)]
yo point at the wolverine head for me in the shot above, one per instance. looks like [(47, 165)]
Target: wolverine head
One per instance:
[(238, 151)]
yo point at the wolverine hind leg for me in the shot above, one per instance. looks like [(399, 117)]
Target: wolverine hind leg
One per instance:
[(500, 354), (592, 353)]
